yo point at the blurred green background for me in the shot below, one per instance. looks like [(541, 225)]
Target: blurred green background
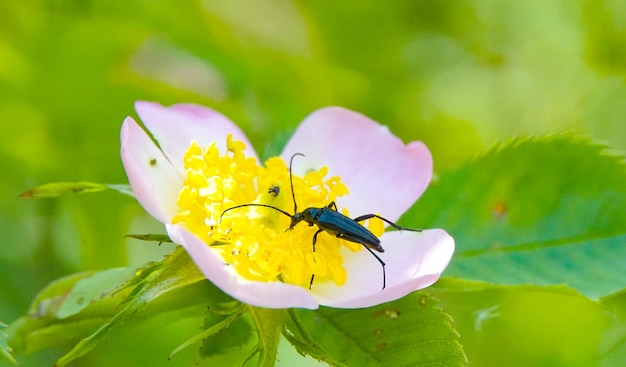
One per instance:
[(458, 75)]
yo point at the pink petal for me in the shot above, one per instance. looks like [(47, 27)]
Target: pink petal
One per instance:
[(414, 261), (176, 126), (155, 182), (383, 174), (261, 294)]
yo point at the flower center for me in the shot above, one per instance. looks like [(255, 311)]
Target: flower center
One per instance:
[(254, 239)]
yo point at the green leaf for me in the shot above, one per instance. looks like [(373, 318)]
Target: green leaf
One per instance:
[(53, 190), (296, 334), (52, 318), (90, 289), (49, 300), (72, 306), (613, 345), (528, 325), (6, 352), (412, 331), (236, 338), (175, 272), (227, 339), (213, 324), (28, 334), (69, 295), (541, 211), (269, 325), (150, 237), (230, 339), (221, 303)]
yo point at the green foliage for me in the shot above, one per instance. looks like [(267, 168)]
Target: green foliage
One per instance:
[(269, 324), (530, 325), (538, 211), (412, 331), (72, 306), (6, 352), (150, 237), (231, 338), (457, 75), (543, 211), (48, 321), (612, 349), (525, 207), (176, 272), (90, 289), (224, 337), (53, 190)]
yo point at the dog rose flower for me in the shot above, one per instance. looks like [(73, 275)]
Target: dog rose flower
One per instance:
[(202, 164)]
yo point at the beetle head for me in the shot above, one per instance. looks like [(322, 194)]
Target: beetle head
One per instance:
[(295, 219)]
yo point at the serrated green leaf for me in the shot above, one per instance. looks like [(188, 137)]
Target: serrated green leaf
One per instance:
[(269, 325), (613, 345), (53, 190), (93, 288), (540, 211), (36, 332), (48, 324), (71, 294), (616, 303), (221, 303), (213, 324), (53, 317), (527, 325), (412, 331), (175, 272), (231, 340), (75, 306), (150, 237), (49, 299), (42, 328), (307, 348), (6, 352), (28, 334), (234, 338), (299, 338)]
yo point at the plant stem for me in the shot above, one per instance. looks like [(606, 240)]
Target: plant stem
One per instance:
[(269, 324)]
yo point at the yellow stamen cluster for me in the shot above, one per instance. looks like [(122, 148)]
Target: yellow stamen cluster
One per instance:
[(253, 239)]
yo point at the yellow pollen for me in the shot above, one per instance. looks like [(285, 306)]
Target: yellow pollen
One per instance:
[(254, 239)]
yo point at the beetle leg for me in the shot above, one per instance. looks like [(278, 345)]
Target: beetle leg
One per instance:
[(314, 241), (332, 206), (371, 246), (382, 263), (368, 216), (315, 238)]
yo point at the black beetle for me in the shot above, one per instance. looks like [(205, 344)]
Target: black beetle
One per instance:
[(329, 220)]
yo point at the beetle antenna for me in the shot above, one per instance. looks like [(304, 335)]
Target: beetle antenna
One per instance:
[(262, 205), (293, 195)]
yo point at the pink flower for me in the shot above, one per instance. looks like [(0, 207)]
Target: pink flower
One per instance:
[(382, 174)]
